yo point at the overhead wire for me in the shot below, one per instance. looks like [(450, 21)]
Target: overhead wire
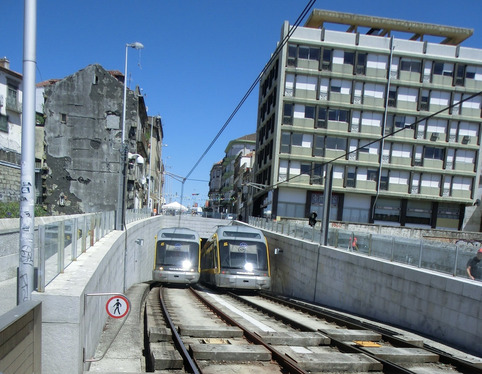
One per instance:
[(300, 18)]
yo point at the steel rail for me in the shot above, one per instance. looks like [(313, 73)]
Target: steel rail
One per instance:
[(191, 364), (387, 335), (284, 361), (388, 367)]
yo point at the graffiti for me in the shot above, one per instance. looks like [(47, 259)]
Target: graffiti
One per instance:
[(23, 288), (26, 256)]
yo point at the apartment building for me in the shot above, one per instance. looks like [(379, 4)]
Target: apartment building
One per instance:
[(394, 106), (242, 145)]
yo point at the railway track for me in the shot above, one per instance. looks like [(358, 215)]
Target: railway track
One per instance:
[(203, 331)]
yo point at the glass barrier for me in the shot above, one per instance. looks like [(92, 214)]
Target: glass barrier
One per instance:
[(61, 243), (433, 255)]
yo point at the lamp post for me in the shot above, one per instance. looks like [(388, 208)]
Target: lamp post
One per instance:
[(122, 175)]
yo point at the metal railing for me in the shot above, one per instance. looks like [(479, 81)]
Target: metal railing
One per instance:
[(434, 255), (61, 243)]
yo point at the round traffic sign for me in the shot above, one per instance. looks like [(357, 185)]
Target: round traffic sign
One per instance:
[(117, 306)]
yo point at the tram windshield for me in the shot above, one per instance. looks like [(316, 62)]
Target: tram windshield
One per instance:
[(177, 254), (243, 254)]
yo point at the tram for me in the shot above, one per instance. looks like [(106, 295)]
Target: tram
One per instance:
[(177, 255), (236, 257)]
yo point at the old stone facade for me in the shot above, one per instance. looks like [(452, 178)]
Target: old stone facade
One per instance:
[(83, 138)]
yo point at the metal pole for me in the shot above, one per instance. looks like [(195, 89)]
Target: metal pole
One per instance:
[(149, 205), (27, 179), (327, 203), (122, 161)]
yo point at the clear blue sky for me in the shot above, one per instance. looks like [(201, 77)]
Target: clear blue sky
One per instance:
[(199, 57)]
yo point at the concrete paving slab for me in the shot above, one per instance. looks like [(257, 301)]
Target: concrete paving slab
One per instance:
[(221, 331), (336, 361), (348, 335), (294, 338), (405, 355), (228, 352)]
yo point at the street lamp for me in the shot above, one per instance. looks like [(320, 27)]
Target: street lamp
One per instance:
[(122, 175)]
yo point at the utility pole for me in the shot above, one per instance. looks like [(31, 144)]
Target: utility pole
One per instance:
[(325, 224), (25, 281)]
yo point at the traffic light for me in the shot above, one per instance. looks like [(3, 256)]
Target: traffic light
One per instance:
[(312, 219)]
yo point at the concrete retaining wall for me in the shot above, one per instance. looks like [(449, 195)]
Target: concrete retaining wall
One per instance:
[(72, 320), (439, 306)]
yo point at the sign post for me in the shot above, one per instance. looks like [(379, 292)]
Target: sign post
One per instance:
[(118, 306)]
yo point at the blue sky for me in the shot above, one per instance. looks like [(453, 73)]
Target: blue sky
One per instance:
[(199, 57)]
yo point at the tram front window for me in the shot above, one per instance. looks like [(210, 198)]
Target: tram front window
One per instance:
[(241, 254), (177, 254)]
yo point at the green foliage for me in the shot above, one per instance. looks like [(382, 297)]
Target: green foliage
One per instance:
[(12, 210)]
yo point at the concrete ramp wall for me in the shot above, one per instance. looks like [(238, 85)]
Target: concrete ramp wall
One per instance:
[(439, 306), (72, 318)]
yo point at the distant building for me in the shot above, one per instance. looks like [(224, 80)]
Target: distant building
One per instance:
[(11, 93), (243, 145), (336, 96), (243, 185), (83, 126), (214, 193)]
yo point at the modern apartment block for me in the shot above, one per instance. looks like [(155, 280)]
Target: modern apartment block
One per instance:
[(394, 106)]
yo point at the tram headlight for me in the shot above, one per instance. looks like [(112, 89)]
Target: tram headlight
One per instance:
[(248, 266), (186, 265)]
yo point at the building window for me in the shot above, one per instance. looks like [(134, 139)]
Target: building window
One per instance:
[(442, 68), (372, 175), (339, 115), (392, 97), (361, 64), (297, 139), (349, 58), (317, 174), (459, 79), (305, 169), (424, 100), (384, 181), (320, 122), (285, 142), (350, 177), (63, 118), (336, 143), (309, 53), (412, 66), (292, 55), (3, 123), (319, 146), (433, 153), (309, 112), (327, 59), (288, 113), (12, 100)]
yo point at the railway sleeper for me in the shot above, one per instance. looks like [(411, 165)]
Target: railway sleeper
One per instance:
[(209, 331), (165, 356), (229, 352), (403, 355), (335, 362), (298, 338)]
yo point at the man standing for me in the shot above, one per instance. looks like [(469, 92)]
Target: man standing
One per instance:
[(474, 267)]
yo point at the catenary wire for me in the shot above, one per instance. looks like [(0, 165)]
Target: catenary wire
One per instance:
[(305, 11)]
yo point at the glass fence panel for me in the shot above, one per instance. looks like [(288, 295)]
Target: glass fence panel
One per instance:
[(437, 256), (51, 251)]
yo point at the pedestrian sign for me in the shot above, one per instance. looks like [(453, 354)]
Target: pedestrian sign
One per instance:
[(117, 306)]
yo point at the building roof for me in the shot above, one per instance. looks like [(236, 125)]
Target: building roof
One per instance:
[(46, 83), (385, 26)]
